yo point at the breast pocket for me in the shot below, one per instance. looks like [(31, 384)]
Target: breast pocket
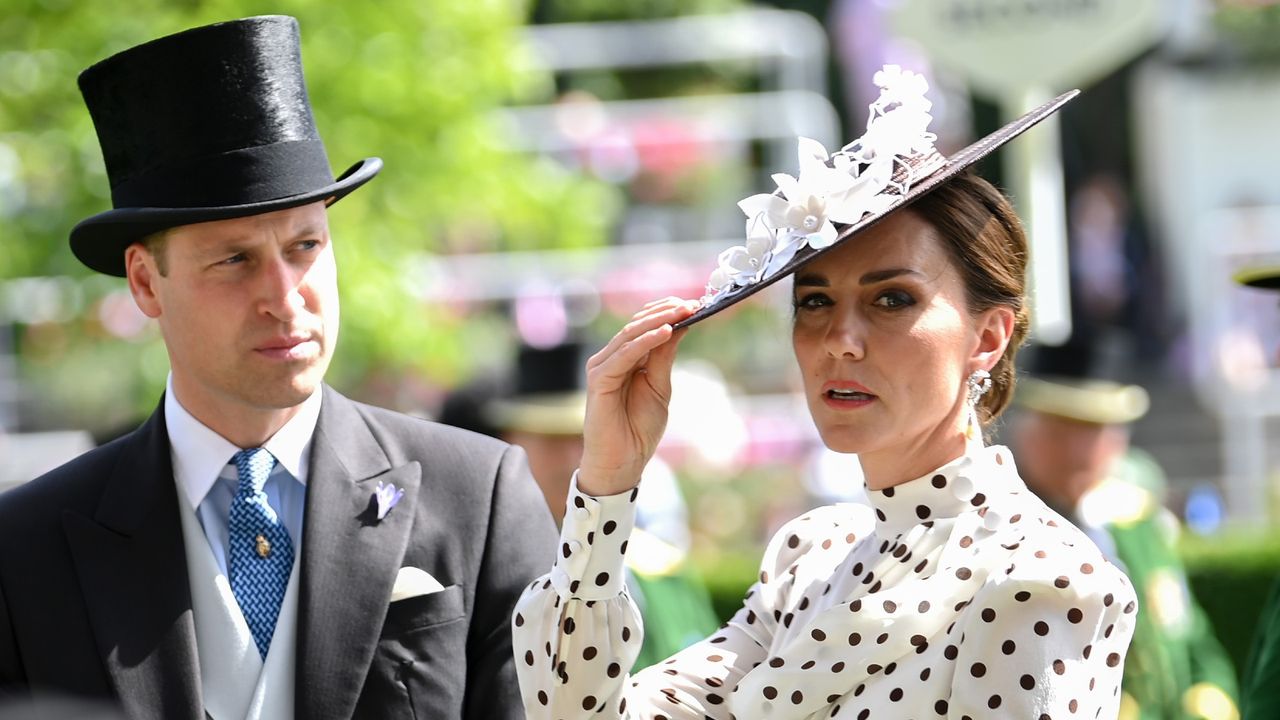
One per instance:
[(424, 611)]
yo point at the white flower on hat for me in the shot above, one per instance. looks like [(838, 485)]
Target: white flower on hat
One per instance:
[(832, 188)]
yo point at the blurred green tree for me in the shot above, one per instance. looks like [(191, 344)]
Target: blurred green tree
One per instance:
[(411, 81)]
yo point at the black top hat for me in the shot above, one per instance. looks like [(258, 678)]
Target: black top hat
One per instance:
[(208, 124), (549, 394), (917, 170)]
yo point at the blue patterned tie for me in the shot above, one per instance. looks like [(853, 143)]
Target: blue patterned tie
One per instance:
[(261, 553)]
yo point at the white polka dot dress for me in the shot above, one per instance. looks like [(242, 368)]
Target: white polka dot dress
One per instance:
[(955, 595)]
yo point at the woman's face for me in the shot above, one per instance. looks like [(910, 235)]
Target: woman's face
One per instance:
[(885, 342)]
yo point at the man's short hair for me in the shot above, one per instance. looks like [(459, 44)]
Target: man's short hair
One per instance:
[(155, 243)]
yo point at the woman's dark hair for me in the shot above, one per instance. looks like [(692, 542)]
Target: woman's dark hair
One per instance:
[(986, 241)]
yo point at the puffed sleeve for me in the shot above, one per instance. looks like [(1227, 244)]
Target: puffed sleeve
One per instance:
[(1045, 647), (577, 632)]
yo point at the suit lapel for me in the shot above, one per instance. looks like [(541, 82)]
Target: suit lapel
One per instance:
[(131, 563), (349, 559)]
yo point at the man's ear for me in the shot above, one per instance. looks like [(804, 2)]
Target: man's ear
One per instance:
[(995, 328), (142, 273)]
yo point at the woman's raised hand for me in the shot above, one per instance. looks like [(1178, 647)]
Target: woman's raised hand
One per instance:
[(628, 391)]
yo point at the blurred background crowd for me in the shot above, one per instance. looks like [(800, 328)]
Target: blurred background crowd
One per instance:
[(552, 165)]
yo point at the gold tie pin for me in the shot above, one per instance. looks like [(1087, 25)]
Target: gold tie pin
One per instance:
[(262, 545)]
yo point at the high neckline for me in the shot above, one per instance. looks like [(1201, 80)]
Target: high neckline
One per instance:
[(945, 492)]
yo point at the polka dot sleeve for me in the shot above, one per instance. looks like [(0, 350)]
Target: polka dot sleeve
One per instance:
[(576, 638), (1045, 648)]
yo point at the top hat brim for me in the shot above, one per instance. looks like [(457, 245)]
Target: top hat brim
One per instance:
[(952, 166), (100, 241), (1266, 277)]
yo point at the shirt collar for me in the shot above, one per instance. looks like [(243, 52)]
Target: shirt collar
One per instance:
[(967, 483), (199, 453)]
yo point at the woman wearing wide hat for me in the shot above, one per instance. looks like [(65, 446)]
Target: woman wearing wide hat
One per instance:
[(957, 593)]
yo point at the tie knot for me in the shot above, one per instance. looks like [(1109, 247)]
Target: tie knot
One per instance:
[(254, 466)]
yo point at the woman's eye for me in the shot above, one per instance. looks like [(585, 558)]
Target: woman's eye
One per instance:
[(894, 299), (810, 301)]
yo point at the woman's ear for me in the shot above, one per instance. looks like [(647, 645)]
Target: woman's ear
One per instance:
[(142, 273), (995, 328)]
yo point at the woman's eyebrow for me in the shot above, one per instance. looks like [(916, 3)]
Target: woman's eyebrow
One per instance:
[(811, 280), (876, 276)]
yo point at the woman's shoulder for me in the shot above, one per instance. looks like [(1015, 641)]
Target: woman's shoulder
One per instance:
[(1049, 556), (828, 530)]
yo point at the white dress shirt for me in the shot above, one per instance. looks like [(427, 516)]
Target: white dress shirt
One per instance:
[(207, 480)]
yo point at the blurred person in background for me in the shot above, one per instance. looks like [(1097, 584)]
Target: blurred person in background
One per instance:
[(541, 408), (1071, 437), (931, 602), (1260, 682), (262, 547)]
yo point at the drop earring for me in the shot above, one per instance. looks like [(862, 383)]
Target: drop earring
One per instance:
[(978, 384)]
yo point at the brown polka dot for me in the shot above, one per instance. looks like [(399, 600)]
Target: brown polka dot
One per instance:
[(999, 459), (923, 607), (890, 606), (1008, 647), (924, 674), (528, 657), (1113, 659), (1016, 517), (573, 586), (542, 697), (818, 635), (1022, 596), (626, 634), (623, 547), (786, 619), (793, 541), (940, 707), (854, 638), (922, 511), (589, 702), (614, 670), (978, 670), (714, 699), (1074, 615), (882, 638), (873, 668), (993, 702), (950, 652), (797, 697), (770, 692), (966, 541), (588, 653), (777, 662), (804, 603), (808, 664), (855, 606), (1108, 599), (569, 626), (988, 615), (888, 492), (850, 538), (1061, 582), (1041, 628), (920, 567), (1073, 705), (1088, 650), (1027, 682), (1059, 667), (826, 544), (964, 573), (1086, 568), (939, 481), (1129, 606), (918, 640), (602, 578), (838, 667), (978, 500), (895, 694)]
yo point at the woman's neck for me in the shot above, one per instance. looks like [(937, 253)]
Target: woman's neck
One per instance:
[(905, 461)]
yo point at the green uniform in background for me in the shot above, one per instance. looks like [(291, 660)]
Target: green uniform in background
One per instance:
[(1176, 669), (672, 600), (1260, 697)]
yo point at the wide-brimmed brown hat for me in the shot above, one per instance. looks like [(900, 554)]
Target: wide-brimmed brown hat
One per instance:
[(841, 194), (208, 124)]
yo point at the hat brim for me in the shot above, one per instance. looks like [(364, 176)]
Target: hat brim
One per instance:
[(100, 241), (1266, 277), (1100, 402), (543, 414), (953, 166)]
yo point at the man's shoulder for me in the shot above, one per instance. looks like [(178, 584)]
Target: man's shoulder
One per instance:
[(75, 485), (397, 431)]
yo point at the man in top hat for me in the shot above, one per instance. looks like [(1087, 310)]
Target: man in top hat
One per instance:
[(1260, 682), (262, 547), (1071, 437), (541, 408)]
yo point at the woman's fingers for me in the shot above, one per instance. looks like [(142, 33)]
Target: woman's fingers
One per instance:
[(628, 358), (655, 314)]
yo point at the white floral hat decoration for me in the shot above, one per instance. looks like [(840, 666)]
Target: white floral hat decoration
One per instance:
[(841, 194)]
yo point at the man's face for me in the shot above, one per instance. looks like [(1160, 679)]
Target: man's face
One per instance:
[(248, 308)]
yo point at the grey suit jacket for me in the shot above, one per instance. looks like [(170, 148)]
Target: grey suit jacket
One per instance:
[(94, 597)]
